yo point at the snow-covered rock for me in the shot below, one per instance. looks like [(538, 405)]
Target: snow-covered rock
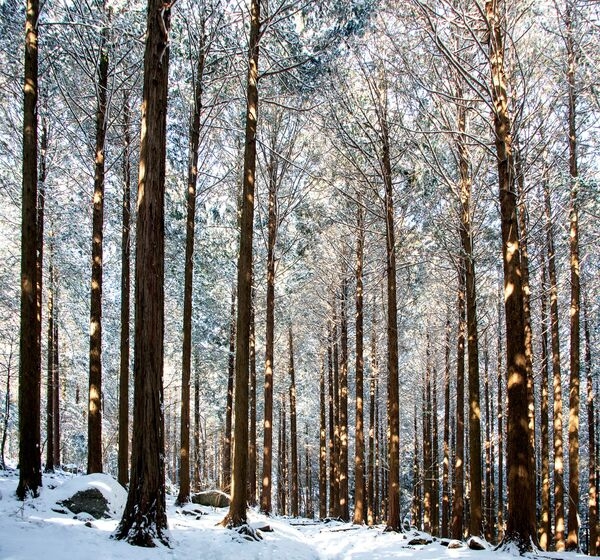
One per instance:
[(214, 498), (99, 495)]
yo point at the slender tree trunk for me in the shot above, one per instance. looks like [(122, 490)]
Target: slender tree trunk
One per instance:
[(466, 237), (322, 445), (265, 500), (359, 436), (229, 403), (393, 519), (458, 501), (545, 535), (144, 519), (574, 362), (50, 378), (591, 414), (371, 489), (186, 361), (489, 486), (6, 419), (252, 463), (336, 411), (198, 460), (343, 395), (435, 483), (332, 443), (237, 511), (499, 376), (283, 466), (94, 459), (293, 431), (417, 498), (520, 529), (446, 436), (559, 502), (123, 454), (30, 469), (427, 451)]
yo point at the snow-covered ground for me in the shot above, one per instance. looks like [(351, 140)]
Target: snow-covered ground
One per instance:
[(31, 530)]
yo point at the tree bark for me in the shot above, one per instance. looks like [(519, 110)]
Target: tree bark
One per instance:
[(359, 440), (293, 432), (332, 448), (545, 534), (446, 436), (227, 444), (574, 361), (94, 459), (30, 469), (371, 489), (123, 453), (499, 377), (252, 462), (237, 510), (144, 519), (343, 396), (459, 469), (520, 529), (322, 445), (559, 503), (186, 362)]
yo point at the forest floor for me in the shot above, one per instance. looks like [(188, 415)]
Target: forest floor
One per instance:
[(39, 529)]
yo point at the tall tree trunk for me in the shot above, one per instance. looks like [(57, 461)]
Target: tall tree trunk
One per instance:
[(144, 518), (393, 519), (520, 529), (56, 380), (282, 480), (545, 535), (591, 417), (265, 500), (293, 431), (252, 463), (500, 404), (359, 436), (226, 484), (435, 483), (50, 377), (322, 445), (237, 510), (30, 468), (336, 411), (446, 436), (559, 502), (344, 491), (198, 459), (466, 238), (6, 411), (427, 451), (94, 459), (123, 454), (489, 486), (574, 362), (371, 488), (332, 448), (188, 283), (417, 497), (459, 470)]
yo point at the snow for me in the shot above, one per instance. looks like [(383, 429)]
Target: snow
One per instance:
[(31, 530)]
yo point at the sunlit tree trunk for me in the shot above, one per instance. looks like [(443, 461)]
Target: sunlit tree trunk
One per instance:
[(237, 510), (574, 312), (545, 535), (227, 436), (520, 529), (500, 417), (252, 463), (94, 459), (417, 500), (336, 412), (435, 482), (30, 469), (144, 519), (332, 448), (559, 503), (343, 400), (322, 445), (456, 530), (359, 437), (371, 488)]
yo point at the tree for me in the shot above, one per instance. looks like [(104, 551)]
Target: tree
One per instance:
[(293, 431), (30, 473), (144, 519), (94, 462), (236, 517), (520, 529)]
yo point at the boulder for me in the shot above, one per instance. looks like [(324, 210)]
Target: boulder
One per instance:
[(475, 543), (90, 501), (455, 544), (420, 540), (212, 498)]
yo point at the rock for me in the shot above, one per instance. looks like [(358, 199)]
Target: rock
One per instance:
[(213, 498), (420, 540), (475, 543), (87, 501), (455, 544), (444, 542)]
